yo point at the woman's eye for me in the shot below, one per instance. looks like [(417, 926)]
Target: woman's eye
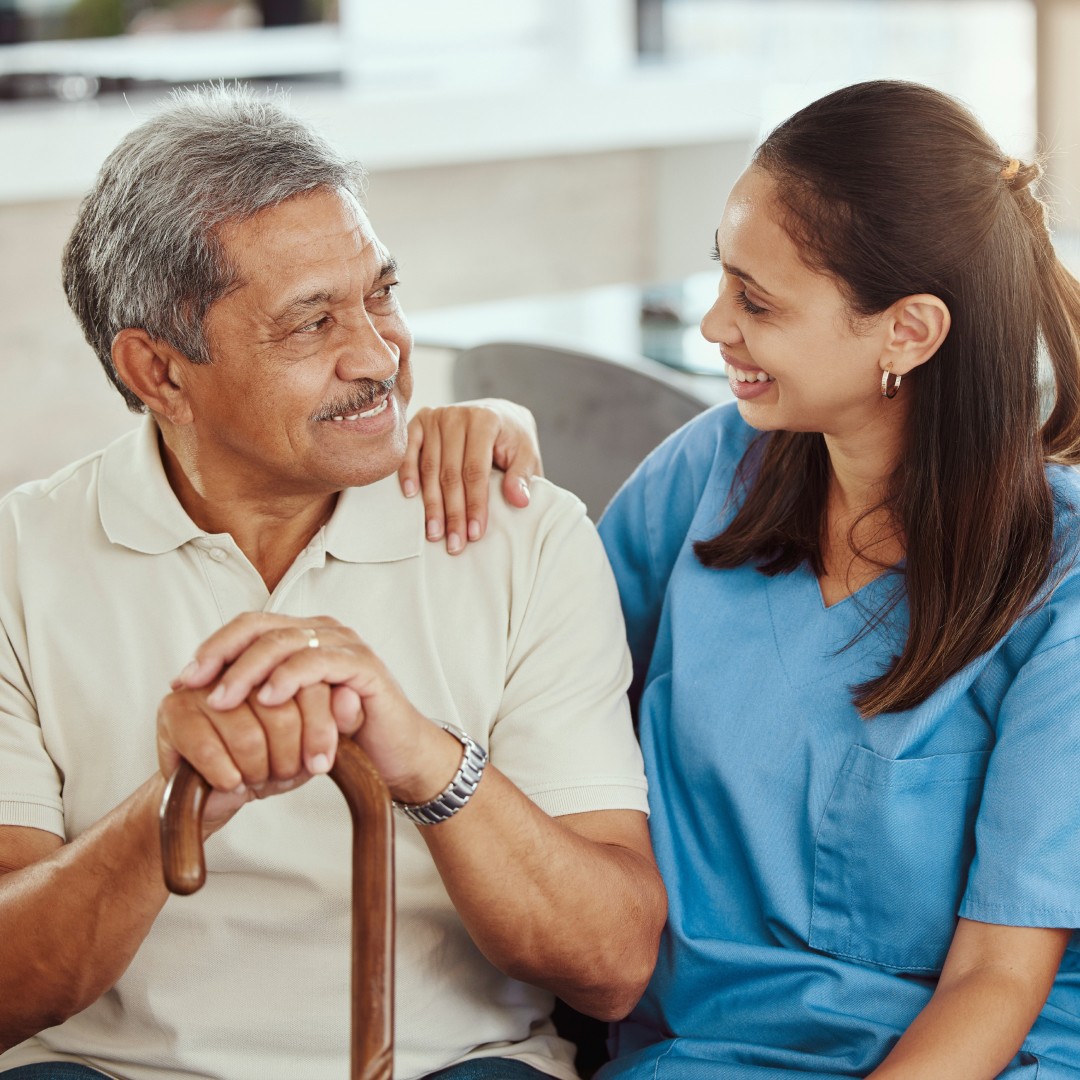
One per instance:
[(747, 304)]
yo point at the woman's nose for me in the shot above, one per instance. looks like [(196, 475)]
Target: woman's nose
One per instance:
[(717, 324)]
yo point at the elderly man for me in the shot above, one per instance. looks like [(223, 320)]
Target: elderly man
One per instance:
[(232, 287)]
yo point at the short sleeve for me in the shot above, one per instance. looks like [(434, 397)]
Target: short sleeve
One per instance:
[(29, 782), (1026, 870), (563, 734)]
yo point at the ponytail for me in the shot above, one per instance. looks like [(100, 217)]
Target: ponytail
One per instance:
[(1059, 317)]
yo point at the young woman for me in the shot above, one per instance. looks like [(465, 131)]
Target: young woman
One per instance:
[(854, 612)]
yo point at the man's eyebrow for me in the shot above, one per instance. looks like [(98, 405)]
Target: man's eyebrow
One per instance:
[(298, 305)]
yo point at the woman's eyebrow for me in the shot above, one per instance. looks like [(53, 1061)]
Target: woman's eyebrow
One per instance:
[(742, 275), (734, 271)]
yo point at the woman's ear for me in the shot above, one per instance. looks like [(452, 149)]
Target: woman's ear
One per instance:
[(153, 371), (916, 327)]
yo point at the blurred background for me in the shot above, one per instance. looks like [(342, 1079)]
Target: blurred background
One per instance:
[(542, 169)]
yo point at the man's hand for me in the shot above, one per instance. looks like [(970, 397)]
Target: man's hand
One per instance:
[(250, 751), (247, 731), (449, 459)]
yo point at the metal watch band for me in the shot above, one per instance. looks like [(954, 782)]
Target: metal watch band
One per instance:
[(458, 792)]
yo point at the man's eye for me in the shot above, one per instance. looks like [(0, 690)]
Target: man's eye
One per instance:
[(385, 292), (313, 327)]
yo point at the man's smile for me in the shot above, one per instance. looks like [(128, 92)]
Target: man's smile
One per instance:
[(368, 399), (381, 407)]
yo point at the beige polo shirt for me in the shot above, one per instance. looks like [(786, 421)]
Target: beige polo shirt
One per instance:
[(107, 587)]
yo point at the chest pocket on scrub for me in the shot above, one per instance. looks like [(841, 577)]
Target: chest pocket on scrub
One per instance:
[(892, 857)]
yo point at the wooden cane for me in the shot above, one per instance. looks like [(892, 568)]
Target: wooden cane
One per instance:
[(372, 1054)]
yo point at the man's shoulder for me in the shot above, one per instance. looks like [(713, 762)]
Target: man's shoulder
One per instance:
[(551, 508), (67, 487), (48, 531), (119, 493)]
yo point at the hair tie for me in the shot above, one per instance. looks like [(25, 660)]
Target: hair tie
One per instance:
[(1009, 170)]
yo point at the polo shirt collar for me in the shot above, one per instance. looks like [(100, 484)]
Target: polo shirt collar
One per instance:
[(375, 523), (139, 509), (137, 505)]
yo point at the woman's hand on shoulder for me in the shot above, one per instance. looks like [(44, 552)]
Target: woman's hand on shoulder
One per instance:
[(449, 459)]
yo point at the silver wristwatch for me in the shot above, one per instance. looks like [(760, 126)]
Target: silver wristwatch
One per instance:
[(458, 792)]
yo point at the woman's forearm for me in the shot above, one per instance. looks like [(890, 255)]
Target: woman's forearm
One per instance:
[(970, 1031), (995, 982)]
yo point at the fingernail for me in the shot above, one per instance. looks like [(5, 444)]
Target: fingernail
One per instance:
[(266, 694), (217, 696), (409, 487), (434, 530), (188, 671), (524, 485), (474, 530), (319, 764), (453, 543), (239, 789)]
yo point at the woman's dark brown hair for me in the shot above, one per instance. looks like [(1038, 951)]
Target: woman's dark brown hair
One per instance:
[(894, 189)]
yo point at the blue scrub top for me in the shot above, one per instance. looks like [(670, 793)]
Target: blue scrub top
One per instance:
[(816, 862)]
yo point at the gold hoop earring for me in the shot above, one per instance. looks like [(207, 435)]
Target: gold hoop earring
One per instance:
[(886, 390)]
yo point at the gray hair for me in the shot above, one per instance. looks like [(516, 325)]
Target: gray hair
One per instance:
[(145, 250)]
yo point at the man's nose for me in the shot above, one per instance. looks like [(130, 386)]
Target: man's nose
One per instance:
[(365, 353)]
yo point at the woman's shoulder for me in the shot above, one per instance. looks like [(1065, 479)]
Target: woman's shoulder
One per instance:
[(1065, 486), (710, 445), (696, 462), (719, 431), (1055, 618), (687, 478)]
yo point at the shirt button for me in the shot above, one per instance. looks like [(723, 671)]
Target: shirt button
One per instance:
[(218, 555)]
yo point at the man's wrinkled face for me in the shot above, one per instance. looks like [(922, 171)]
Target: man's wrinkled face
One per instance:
[(310, 378)]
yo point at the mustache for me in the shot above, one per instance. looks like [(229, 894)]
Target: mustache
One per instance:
[(364, 393)]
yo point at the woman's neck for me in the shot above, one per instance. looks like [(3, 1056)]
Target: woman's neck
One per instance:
[(860, 536)]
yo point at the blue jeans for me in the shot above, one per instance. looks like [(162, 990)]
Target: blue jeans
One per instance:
[(482, 1069), (489, 1069), (52, 1070)]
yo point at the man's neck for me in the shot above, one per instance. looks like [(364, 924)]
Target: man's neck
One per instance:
[(270, 531)]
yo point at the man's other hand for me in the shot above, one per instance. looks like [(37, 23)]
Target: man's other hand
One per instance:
[(249, 751)]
